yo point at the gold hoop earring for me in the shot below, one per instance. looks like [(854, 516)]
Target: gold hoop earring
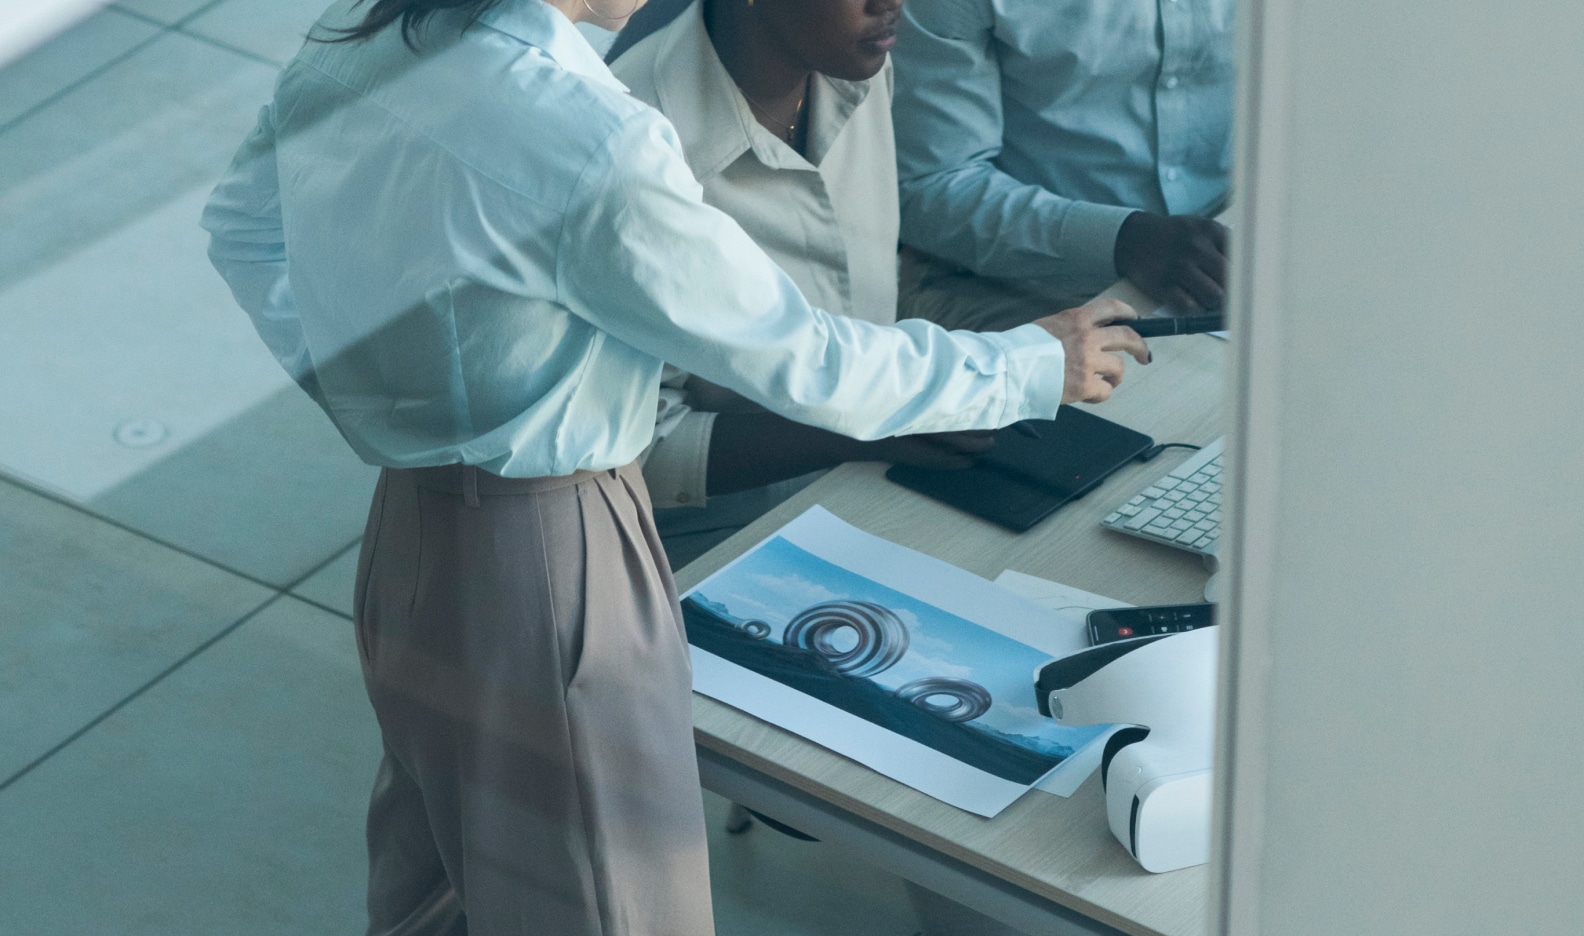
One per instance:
[(630, 11)]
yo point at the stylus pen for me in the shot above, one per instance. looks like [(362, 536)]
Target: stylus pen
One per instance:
[(1187, 325)]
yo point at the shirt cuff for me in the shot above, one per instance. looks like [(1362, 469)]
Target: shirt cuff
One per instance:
[(676, 468), (1086, 240), (1035, 372)]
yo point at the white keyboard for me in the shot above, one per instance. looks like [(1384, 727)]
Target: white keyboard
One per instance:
[(1182, 509)]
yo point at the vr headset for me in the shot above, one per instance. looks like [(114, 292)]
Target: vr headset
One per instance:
[(1156, 772)]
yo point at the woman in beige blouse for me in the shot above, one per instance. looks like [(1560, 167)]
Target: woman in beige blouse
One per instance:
[(783, 110)]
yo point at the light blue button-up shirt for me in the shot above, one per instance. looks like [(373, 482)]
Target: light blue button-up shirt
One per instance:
[(1027, 130), (483, 254)]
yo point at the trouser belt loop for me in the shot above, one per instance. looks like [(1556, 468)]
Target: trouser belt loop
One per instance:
[(470, 485)]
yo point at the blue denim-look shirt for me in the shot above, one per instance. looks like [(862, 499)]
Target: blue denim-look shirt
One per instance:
[(1027, 130), (483, 253)]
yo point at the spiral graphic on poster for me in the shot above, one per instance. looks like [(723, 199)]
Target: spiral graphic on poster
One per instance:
[(969, 700), (758, 630), (882, 637)]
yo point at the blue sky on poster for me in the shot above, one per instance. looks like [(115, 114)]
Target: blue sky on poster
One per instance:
[(778, 580)]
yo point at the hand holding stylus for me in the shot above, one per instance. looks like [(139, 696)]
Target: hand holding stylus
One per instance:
[(1092, 334), (1183, 325)]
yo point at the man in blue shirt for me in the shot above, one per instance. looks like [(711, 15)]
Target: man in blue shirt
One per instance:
[(1047, 147)]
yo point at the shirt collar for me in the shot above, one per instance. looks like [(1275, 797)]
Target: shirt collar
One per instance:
[(544, 27), (712, 118)]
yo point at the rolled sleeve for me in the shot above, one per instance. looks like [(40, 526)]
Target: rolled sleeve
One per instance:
[(1035, 372), (676, 464)]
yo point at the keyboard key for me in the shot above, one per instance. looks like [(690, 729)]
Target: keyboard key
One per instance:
[(1141, 520), (1182, 507)]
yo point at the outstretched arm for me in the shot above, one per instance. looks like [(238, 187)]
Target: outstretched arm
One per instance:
[(648, 263), (748, 450)]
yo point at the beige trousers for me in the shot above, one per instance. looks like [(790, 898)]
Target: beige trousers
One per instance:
[(952, 297), (525, 655)]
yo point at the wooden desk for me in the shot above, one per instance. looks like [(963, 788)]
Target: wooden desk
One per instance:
[(1043, 853)]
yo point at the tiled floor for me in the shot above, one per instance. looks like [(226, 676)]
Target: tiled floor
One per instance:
[(185, 747)]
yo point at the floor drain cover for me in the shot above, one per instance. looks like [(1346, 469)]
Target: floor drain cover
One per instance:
[(141, 433)]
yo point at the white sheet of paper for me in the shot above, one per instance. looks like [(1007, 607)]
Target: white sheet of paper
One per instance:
[(923, 579), (1071, 606)]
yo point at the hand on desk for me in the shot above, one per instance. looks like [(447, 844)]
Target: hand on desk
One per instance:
[(955, 450), (771, 436), (752, 449), (1091, 340), (710, 397), (1180, 261)]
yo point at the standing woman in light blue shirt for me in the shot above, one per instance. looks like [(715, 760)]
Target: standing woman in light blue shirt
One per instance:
[(1046, 148), (458, 233)]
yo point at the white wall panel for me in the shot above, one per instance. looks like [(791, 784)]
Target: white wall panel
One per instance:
[(1405, 751)]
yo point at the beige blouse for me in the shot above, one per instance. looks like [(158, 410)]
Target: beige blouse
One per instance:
[(829, 221)]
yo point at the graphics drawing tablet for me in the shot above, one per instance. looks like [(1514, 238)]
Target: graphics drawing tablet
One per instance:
[(1023, 479)]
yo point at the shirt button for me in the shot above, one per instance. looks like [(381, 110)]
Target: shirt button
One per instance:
[(1171, 175), (1171, 82)]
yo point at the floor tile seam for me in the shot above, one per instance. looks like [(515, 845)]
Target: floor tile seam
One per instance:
[(182, 30), (175, 29), (128, 11), (318, 605), (86, 510), (95, 73), (183, 21), (291, 589), (132, 696)]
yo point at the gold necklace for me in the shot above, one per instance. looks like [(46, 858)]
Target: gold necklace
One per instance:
[(797, 114)]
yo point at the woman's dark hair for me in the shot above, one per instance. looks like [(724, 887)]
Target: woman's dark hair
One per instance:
[(412, 14)]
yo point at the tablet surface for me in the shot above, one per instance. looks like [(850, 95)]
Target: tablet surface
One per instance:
[(1023, 480)]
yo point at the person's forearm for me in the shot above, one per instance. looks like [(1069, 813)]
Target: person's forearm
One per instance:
[(979, 217), (749, 450)]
